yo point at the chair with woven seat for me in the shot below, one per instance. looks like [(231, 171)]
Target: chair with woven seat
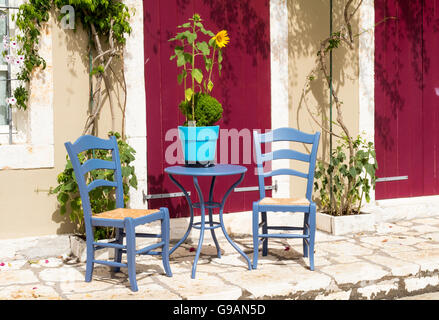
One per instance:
[(123, 220), (269, 204)]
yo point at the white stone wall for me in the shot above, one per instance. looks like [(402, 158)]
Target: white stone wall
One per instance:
[(135, 121), (279, 85), (366, 116)]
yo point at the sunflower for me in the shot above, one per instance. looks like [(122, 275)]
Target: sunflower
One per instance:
[(221, 39)]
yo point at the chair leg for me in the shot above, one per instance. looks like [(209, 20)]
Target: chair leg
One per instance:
[(255, 227), (90, 255), (264, 231), (118, 252), (312, 232), (306, 233), (165, 238), (131, 252)]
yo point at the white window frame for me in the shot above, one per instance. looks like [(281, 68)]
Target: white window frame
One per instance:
[(33, 137), (4, 128)]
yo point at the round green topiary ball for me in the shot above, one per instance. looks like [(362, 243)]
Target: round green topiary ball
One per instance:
[(207, 110)]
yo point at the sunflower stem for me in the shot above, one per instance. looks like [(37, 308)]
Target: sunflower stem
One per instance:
[(211, 66), (193, 78)]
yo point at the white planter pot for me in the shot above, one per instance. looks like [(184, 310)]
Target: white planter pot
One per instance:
[(79, 249), (338, 225)]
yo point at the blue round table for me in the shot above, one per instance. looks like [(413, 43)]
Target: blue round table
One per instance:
[(214, 172)]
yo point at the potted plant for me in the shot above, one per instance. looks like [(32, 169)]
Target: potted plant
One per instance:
[(345, 182), (353, 178), (199, 134)]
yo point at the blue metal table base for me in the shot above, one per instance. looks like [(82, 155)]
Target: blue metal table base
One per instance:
[(212, 224)]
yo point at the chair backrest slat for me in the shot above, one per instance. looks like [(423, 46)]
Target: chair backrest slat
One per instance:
[(286, 134), (100, 183), (88, 142), (286, 154), (96, 164), (290, 172)]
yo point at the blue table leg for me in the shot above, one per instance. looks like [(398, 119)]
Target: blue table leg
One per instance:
[(200, 241), (191, 212), (202, 224), (222, 222), (212, 231)]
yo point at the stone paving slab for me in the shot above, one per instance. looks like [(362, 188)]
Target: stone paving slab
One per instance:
[(399, 259)]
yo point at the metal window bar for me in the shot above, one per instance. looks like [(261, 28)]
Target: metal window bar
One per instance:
[(8, 78)]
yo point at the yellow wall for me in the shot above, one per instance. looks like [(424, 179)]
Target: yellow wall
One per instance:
[(25, 211), (308, 25)]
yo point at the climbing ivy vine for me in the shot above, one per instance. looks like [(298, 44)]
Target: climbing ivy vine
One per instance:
[(107, 22)]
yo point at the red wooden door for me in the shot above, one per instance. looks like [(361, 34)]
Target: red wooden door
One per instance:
[(243, 90), (406, 116)]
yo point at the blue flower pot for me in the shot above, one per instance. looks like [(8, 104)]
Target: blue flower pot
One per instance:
[(199, 145)]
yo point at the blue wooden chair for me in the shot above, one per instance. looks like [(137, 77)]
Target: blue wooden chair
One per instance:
[(123, 220), (266, 204)]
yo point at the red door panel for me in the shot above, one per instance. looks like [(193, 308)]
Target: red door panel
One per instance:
[(243, 89), (400, 123)]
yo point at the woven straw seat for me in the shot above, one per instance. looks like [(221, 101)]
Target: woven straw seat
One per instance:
[(284, 201), (122, 213)]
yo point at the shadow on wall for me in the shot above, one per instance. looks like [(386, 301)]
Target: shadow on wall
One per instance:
[(181, 209), (72, 91), (309, 25), (65, 226), (77, 45)]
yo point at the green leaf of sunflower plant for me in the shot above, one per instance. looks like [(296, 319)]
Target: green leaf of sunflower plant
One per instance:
[(181, 60), (185, 25), (208, 63), (204, 48), (191, 37), (181, 76), (188, 94), (198, 75), (210, 85)]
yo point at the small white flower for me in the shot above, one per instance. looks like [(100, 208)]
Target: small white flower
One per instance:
[(8, 58), (18, 62), (21, 58), (13, 44), (11, 101)]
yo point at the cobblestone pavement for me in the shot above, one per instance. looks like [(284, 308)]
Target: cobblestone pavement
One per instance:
[(398, 260), (425, 296)]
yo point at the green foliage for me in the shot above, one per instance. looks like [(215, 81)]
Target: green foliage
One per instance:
[(195, 40), (334, 41), (21, 94), (102, 14), (29, 19), (207, 109), (358, 173), (101, 199)]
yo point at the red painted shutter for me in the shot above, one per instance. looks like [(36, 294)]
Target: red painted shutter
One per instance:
[(406, 116), (243, 88)]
